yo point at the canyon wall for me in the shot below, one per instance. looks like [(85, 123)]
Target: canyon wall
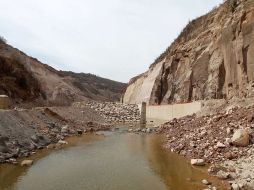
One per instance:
[(212, 58)]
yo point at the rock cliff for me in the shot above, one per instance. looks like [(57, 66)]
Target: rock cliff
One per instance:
[(212, 58)]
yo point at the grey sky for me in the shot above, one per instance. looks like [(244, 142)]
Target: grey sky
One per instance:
[(116, 39)]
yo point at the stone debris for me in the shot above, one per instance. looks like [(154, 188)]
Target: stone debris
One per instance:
[(114, 112), (144, 130), (242, 171), (225, 139), (26, 131), (214, 138)]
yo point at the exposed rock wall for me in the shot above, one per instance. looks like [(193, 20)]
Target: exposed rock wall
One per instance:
[(142, 88), (212, 58)]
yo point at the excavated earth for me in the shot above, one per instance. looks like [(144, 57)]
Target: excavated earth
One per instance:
[(25, 131)]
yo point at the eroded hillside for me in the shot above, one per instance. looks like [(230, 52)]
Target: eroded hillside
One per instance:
[(27, 80), (212, 58)]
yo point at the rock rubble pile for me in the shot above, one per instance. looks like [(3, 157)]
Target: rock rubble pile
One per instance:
[(214, 138), (224, 139), (24, 132), (114, 112)]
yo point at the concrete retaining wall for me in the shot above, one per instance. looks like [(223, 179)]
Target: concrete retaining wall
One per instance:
[(168, 112)]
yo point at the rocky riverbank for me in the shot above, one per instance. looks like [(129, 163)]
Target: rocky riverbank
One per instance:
[(114, 112), (23, 132), (224, 138)]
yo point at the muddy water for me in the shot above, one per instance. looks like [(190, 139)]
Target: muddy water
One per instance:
[(117, 161)]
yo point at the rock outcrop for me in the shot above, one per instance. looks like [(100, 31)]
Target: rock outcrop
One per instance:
[(212, 58)]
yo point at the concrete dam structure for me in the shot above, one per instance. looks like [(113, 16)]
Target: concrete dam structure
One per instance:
[(169, 112)]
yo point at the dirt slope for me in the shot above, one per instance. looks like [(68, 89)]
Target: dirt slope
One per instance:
[(25, 131), (25, 79)]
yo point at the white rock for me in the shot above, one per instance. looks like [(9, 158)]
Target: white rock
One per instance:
[(235, 186), (220, 145), (228, 141), (197, 162), (228, 130), (26, 162), (148, 130), (65, 129), (205, 182), (62, 142)]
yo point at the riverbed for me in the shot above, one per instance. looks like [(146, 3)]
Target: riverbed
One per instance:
[(109, 161)]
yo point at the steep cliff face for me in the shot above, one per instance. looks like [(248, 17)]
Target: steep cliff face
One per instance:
[(212, 58), (26, 80)]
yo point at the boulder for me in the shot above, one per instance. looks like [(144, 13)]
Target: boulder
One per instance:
[(62, 142), (26, 162), (65, 129), (222, 175), (205, 182), (241, 138), (197, 162), (235, 186), (35, 138)]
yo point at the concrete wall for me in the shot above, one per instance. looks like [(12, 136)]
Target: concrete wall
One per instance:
[(168, 112)]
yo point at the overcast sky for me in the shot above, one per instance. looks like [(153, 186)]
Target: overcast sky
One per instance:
[(116, 39)]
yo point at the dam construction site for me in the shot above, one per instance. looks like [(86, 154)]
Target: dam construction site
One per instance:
[(187, 123)]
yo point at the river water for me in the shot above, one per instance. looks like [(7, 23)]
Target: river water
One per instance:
[(115, 161)]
